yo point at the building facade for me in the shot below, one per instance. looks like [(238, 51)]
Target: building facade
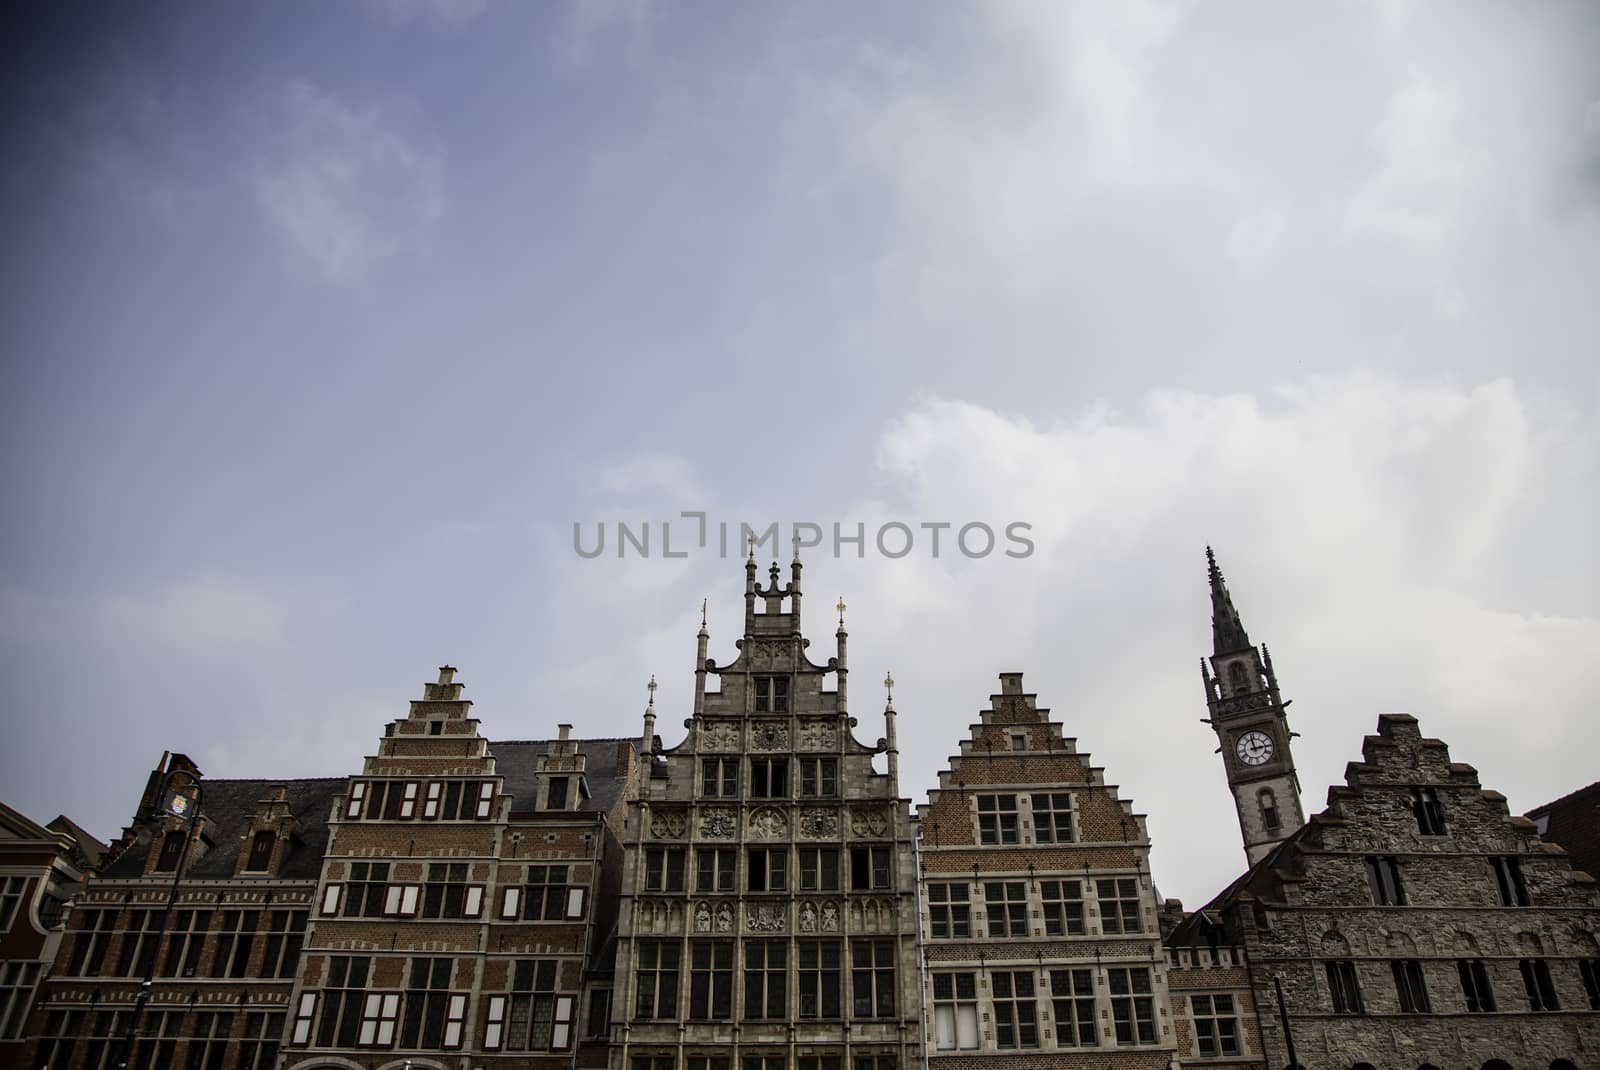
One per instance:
[(768, 906), (1039, 922), (465, 887)]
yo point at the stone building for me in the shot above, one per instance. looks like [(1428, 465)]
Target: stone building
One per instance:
[(768, 911), (227, 961), (41, 868), (1413, 923), (1039, 917), (465, 886)]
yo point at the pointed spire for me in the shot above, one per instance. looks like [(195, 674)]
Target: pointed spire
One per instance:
[(650, 707), (888, 687), (703, 602), (1227, 630), (840, 608)]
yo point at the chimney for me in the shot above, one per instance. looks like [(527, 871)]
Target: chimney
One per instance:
[(624, 759), (565, 731)]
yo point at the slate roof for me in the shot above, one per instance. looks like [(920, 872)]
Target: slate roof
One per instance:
[(231, 805), (1574, 823), (90, 847), (518, 761)]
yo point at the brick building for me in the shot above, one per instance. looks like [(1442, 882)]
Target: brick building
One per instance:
[(226, 964), (769, 886), (1039, 917), (1573, 822), (465, 886), (41, 868)]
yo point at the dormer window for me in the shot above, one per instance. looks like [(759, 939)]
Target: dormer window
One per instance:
[(261, 852), (171, 850), (772, 694), (556, 798)]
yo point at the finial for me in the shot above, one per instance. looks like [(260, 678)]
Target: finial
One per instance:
[(840, 608), (751, 539), (703, 602), (888, 685), (796, 540), (652, 686)]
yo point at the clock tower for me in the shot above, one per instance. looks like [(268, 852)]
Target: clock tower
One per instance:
[(1248, 716)]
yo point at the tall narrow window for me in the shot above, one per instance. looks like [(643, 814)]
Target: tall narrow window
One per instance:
[(545, 894), (1510, 886), (1589, 973), (258, 1050), (766, 966), (1269, 810), (171, 849), (1536, 983), (342, 1000), (1383, 880), (769, 778), (663, 869), (1216, 1026), (656, 995), (91, 937), (1132, 1005), (1005, 903), (819, 978), (427, 993), (955, 1011), (869, 868), (234, 943), (819, 869), (714, 869), (185, 944), (1016, 1022), (1072, 1000), (261, 845), (768, 869), (872, 978), (719, 778), (819, 777), (17, 980), (1343, 987), (949, 913), (1052, 818), (11, 889), (556, 798), (138, 944), (1429, 814), (997, 819), (1475, 988), (365, 891), (772, 694), (286, 931), (1063, 907), (531, 1024), (1119, 904), (710, 980), (1409, 986)]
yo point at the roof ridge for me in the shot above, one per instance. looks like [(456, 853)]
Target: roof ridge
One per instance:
[(1564, 798)]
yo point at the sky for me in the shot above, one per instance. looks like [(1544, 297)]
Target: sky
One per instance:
[(323, 326)]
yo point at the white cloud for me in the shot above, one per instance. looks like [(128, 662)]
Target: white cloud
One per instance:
[(344, 186)]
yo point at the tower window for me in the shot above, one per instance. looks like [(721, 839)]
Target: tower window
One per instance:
[(1429, 814), (1269, 810), (1239, 678), (1383, 879), (772, 694)]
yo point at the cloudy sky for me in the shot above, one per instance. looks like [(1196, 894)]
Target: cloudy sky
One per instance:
[(323, 324)]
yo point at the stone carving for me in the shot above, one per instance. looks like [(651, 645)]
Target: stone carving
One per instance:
[(658, 917), (819, 821), (668, 824), (718, 824), (725, 918), (1244, 703), (769, 822), (818, 735), (769, 735), (830, 917), (702, 918), (765, 918), (808, 917), (719, 735), (869, 821), (770, 651), (872, 915)]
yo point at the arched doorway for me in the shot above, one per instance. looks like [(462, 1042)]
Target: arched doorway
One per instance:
[(1496, 1064), (1563, 1064)]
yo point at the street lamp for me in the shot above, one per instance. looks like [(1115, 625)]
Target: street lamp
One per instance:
[(180, 805)]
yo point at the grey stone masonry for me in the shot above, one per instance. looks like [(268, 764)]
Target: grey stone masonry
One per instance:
[(1416, 922), (767, 913)]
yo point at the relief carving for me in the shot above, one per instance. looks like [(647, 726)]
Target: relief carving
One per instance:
[(765, 918), (769, 822), (769, 735), (819, 821), (718, 824), (668, 824), (719, 735), (869, 821), (819, 735), (702, 918), (725, 918)]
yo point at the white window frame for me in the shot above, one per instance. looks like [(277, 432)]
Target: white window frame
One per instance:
[(304, 1016), (486, 799), (331, 895), (408, 801), (358, 795), (430, 802), (510, 903), (455, 1019), (494, 1023)]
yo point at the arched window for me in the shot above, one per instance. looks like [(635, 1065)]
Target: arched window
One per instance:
[(1269, 810), (1496, 1064), (1363, 1066)]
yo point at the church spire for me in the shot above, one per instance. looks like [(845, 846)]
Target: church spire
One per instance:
[(1227, 630)]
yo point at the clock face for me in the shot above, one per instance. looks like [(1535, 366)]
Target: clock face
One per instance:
[(1253, 748)]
